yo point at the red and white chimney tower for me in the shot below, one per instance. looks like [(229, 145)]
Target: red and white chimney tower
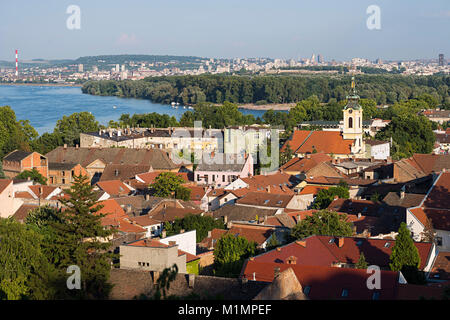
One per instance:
[(17, 64)]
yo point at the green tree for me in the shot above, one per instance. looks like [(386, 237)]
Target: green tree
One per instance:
[(230, 253), (405, 256), (361, 264), (273, 242), (165, 185), (183, 193), (323, 222), (34, 175), (83, 241), (70, 127), (286, 154), (325, 196), (25, 272)]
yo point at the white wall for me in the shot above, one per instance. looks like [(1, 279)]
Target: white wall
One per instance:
[(186, 241)]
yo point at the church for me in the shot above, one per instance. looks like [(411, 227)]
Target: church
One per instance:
[(345, 143)]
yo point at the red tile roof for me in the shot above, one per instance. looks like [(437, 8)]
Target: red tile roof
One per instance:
[(305, 164), (265, 199), (114, 188), (441, 267), (312, 189), (326, 283), (319, 251), (304, 141), (4, 183)]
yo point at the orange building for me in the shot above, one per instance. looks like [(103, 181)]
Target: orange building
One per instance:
[(17, 161)]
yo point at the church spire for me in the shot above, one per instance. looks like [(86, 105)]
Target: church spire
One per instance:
[(353, 98)]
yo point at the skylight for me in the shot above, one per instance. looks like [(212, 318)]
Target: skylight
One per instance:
[(387, 245)]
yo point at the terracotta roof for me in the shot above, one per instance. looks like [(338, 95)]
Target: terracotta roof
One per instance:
[(116, 217), (419, 292), (242, 213), (441, 266), (114, 188), (197, 193), (171, 213), (123, 171), (409, 200), (23, 211), (149, 177), (265, 199), (189, 257), (429, 163), (144, 220), (439, 196), (325, 283), (440, 219), (319, 251), (307, 163), (304, 141), (4, 183), (150, 243), (336, 180), (156, 158), (312, 189), (278, 182), (282, 219), (351, 206)]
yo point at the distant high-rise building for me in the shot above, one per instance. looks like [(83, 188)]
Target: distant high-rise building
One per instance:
[(313, 58), (441, 60), (320, 58), (122, 68), (95, 69), (379, 61), (80, 67), (117, 68)]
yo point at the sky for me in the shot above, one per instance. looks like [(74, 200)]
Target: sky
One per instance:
[(409, 29)]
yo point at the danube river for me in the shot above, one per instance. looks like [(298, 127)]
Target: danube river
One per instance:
[(44, 105)]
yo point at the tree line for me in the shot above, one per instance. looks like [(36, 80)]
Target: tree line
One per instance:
[(383, 89)]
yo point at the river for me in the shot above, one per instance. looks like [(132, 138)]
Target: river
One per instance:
[(44, 105)]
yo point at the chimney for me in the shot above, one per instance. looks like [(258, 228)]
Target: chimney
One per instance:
[(76, 146), (65, 146), (359, 215), (182, 231), (278, 249), (147, 197), (163, 234), (129, 207), (299, 218), (308, 156), (225, 219), (291, 260), (268, 188), (116, 172), (301, 243), (172, 243), (402, 194), (340, 242), (209, 234)]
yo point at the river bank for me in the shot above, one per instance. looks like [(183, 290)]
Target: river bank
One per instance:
[(276, 107)]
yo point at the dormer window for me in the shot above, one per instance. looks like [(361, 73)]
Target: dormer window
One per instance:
[(344, 293)]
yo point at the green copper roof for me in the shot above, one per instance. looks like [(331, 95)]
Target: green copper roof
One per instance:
[(353, 98)]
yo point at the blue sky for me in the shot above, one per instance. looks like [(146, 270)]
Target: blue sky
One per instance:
[(215, 28)]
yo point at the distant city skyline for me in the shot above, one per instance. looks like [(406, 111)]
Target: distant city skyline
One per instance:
[(227, 29)]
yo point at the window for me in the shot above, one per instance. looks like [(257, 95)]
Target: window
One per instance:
[(223, 178), (344, 293), (439, 241), (387, 245), (350, 122), (376, 295)]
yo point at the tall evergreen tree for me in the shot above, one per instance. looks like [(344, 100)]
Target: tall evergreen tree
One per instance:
[(83, 241), (362, 263)]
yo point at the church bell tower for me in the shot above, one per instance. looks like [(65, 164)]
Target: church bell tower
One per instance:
[(353, 121)]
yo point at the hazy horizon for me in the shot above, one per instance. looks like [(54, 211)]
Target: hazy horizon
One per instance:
[(410, 29)]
